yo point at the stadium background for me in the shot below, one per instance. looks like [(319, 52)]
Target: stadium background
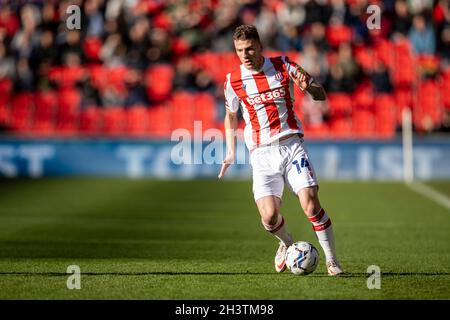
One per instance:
[(104, 100)]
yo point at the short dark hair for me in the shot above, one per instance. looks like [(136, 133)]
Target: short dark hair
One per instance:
[(246, 32)]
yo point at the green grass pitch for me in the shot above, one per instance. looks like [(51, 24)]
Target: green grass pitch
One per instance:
[(147, 239)]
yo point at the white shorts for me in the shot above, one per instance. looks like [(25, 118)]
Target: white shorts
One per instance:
[(279, 163)]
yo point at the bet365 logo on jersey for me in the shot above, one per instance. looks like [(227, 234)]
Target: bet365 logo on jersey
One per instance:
[(267, 96)]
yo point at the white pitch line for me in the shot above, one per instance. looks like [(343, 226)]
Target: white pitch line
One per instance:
[(431, 193)]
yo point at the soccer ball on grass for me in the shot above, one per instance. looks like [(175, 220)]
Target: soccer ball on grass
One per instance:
[(302, 258)]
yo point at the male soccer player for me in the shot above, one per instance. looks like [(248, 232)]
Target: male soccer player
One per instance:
[(263, 89)]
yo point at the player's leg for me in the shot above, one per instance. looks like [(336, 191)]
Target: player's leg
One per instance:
[(309, 200), (302, 181), (273, 222), (268, 184)]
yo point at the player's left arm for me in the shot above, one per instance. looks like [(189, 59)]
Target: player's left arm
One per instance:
[(306, 82)]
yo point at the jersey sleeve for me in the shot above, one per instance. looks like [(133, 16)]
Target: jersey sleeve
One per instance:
[(231, 99)]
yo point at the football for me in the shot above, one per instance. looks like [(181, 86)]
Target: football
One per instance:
[(302, 258)]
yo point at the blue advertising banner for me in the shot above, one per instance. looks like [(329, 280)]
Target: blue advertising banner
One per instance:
[(334, 160)]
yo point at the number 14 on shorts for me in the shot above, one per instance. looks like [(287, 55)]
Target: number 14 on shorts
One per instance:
[(304, 163)]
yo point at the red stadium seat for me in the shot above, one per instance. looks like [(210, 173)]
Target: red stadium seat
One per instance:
[(68, 101), (116, 77), (92, 47), (5, 87), (67, 77), (160, 121), (386, 115), (445, 88), (159, 80), (21, 111), (384, 51), (340, 104), (317, 131), (336, 34), (4, 115), (365, 57), (363, 124), (205, 110), (341, 127), (45, 101), (404, 74), (114, 121), (99, 76), (67, 124), (137, 121), (91, 121), (363, 97), (183, 110), (428, 104)]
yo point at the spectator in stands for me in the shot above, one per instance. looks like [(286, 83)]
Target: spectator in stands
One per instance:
[(138, 43), (41, 79), (93, 18), (418, 6), (354, 16), (23, 76), (289, 39), (265, 22), (204, 82), (350, 67), (444, 47), (380, 78), (111, 96), (402, 20), (290, 17), (49, 21), (422, 36), (9, 22), (44, 51), (316, 11), (160, 50), (225, 21), (185, 75), (445, 125), (317, 36), (71, 44), (336, 80), (7, 67), (113, 51), (290, 12), (314, 61), (27, 37), (136, 93), (90, 96)]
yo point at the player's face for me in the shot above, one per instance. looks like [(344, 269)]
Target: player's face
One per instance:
[(249, 52)]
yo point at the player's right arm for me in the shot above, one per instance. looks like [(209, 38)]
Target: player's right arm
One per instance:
[(230, 125)]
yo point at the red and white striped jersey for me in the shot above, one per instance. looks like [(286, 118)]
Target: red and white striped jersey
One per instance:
[(266, 99)]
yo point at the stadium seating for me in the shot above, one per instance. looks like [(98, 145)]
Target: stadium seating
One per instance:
[(420, 83)]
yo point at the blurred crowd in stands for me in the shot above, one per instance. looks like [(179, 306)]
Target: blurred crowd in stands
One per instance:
[(141, 63)]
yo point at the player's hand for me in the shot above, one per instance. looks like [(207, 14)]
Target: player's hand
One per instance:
[(225, 164), (301, 78)]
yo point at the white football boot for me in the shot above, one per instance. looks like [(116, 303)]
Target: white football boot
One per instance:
[(334, 268), (280, 258)]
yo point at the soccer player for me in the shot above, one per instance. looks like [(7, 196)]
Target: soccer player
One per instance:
[(263, 89)]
